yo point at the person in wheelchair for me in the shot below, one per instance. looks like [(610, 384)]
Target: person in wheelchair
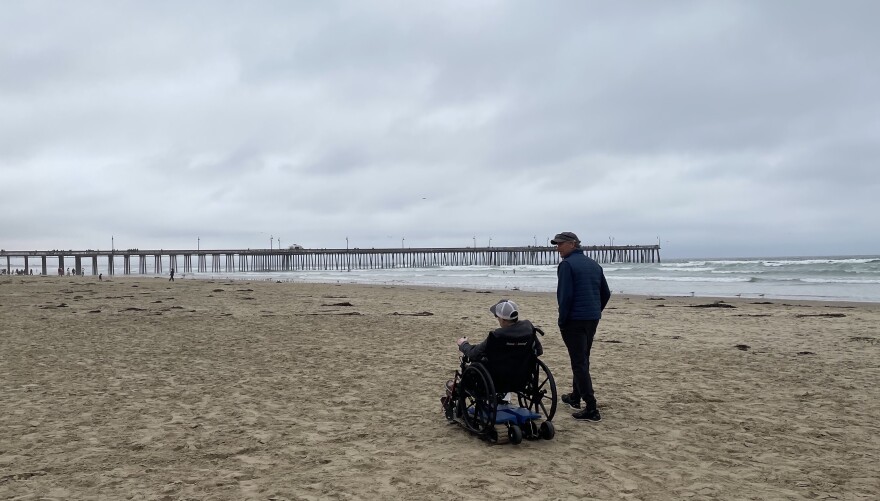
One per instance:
[(502, 369), (511, 330)]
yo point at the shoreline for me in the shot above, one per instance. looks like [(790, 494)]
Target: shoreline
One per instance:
[(732, 299), (223, 389)]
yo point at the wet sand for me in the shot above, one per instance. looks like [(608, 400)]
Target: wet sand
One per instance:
[(138, 388)]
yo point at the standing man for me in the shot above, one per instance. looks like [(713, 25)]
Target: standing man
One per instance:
[(172, 275), (582, 293)]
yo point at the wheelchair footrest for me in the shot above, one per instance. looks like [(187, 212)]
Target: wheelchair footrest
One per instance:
[(508, 413)]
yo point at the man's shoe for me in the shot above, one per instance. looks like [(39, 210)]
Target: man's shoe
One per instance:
[(574, 404), (587, 415)]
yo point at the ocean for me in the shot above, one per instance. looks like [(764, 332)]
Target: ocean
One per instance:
[(837, 278)]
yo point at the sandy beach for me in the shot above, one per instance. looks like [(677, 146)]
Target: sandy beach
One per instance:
[(139, 388)]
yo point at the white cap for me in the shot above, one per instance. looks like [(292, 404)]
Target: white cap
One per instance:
[(506, 309)]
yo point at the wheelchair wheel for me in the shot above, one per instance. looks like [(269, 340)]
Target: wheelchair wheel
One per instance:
[(539, 396), (514, 434), (547, 430), (477, 400)]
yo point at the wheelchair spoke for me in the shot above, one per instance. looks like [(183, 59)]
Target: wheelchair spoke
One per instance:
[(542, 406), (544, 392), (543, 384)]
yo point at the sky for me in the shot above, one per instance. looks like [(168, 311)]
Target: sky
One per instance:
[(716, 128)]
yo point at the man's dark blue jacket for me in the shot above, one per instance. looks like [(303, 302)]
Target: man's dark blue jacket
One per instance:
[(582, 291)]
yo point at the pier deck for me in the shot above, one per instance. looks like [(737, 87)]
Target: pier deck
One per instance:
[(155, 261)]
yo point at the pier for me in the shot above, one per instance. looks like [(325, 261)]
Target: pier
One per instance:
[(161, 261)]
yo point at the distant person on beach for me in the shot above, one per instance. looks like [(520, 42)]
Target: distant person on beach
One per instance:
[(172, 275), (582, 293)]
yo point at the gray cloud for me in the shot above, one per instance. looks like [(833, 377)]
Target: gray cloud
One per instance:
[(722, 128)]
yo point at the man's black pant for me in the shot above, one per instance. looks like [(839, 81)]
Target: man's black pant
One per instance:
[(578, 337)]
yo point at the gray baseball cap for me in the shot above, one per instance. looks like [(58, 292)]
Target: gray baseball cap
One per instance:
[(565, 236), (506, 309)]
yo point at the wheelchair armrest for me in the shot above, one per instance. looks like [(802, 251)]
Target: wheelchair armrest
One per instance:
[(465, 360)]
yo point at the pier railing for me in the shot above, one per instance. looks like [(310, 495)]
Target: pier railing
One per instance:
[(154, 261)]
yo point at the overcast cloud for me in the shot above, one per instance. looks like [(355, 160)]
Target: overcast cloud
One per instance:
[(747, 128)]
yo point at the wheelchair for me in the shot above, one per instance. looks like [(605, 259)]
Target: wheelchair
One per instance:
[(475, 397)]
